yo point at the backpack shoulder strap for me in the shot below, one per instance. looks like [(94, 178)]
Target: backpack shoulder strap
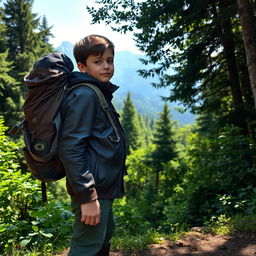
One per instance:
[(103, 104)]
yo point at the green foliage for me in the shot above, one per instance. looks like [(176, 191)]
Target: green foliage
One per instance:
[(133, 243), (51, 223), (10, 93), (211, 175), (163, 138), (164, 144), (196, 50), (133, 231), (128, 217), (17, 193), (45, 35), (221, 177), (130, 124), (203, 174), (139, 169), (229, 225), (23, 38), (152, 175), (243, 223), (219, 225), (25, 222)]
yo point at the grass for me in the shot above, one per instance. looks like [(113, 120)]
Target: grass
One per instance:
[(228, 225), (132, 243), (221, 225), (244, 223), (46, 250)]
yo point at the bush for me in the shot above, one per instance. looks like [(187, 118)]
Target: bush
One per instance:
[(128, 218), (26, 222), (220, 179)]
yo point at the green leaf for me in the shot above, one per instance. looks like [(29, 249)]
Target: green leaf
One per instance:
[(35, 228), (24, 242), (49, 235)]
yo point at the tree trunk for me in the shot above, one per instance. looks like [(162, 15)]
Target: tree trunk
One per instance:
[(44, 194), (248, 98), (226, 35), (249, 38)]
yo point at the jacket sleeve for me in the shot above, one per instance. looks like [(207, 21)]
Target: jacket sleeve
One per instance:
[(79, 111)]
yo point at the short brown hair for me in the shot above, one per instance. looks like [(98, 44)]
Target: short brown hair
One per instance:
[(91, 45)]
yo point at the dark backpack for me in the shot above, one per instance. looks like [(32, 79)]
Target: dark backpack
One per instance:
[(48, 84)]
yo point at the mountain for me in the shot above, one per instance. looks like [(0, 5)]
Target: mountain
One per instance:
[(146, 98)]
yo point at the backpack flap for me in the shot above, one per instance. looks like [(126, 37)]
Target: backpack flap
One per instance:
[(45, 171)]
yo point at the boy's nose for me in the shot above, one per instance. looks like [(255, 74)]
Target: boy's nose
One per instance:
[(106, 65)]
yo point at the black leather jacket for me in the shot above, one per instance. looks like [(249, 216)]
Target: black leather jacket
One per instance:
[(94, 163)]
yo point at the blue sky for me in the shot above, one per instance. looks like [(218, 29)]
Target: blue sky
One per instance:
[(71, 22)]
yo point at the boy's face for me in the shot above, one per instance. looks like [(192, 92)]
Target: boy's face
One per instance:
[(99, 67)]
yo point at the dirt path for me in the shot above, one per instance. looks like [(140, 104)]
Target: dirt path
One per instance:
[(195, 243)]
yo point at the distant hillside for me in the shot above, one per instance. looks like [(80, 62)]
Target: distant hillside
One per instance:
[(146, 98)]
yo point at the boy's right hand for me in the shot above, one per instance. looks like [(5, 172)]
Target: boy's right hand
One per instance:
[(90, 213)]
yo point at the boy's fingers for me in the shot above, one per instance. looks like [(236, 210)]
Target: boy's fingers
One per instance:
[(83, 219), (88, 221), (92, 223), (97, 221)]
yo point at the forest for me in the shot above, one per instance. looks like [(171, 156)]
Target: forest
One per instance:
[(179, 177)]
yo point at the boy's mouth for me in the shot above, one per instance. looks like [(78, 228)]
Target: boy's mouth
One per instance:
[(105, 74)]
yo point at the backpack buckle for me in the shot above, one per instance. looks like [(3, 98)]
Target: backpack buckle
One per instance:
[(16, 128)]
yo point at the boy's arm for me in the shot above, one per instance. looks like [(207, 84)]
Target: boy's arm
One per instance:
[(79, 112)]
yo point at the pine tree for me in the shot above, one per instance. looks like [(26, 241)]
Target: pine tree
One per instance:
[(164, 143), (145, 129), (10, 96), (3, 44), (22, 40), (10, 100), (45, 35), (25, 35), (130, 124)]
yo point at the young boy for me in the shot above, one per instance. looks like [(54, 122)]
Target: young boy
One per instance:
[(91, 152)]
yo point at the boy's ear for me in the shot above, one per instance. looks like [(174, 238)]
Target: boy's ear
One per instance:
[(81, 67)]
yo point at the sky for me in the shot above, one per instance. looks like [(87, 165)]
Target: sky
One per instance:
[(71, 22)]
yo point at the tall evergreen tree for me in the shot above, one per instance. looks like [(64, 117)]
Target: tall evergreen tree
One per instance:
[(163, 138), (45, 35), (25, 35), (130, 123), (3, 44), (22, 40), (21, 37), (10, 96)]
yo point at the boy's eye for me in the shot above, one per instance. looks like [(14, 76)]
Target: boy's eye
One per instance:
[(97, 61), (110, 61)]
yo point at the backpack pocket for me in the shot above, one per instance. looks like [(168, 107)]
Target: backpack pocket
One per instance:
[(51, 170)]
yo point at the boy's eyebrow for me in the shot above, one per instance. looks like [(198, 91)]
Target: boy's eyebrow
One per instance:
[(99, 57), (96, 56)]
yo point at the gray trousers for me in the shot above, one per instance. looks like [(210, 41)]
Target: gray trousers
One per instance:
[(88, 240)]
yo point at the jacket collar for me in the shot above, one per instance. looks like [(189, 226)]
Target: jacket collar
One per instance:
[(107, 88)]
